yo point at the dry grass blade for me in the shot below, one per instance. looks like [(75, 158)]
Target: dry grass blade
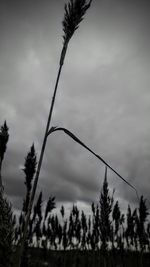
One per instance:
[(76, 139), (74, 13)]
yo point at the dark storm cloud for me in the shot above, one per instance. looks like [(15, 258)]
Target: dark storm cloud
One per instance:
[(103, 96)]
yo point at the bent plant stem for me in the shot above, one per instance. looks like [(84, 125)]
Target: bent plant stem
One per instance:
[(22, 242), (76, 139), (74, 13)]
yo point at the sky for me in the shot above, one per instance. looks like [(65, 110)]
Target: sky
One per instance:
[(103, 98)]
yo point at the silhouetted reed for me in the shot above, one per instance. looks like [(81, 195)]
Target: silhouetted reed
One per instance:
[(4, 136), (106, 237), (74, 12), (107, 234), (102, 231)]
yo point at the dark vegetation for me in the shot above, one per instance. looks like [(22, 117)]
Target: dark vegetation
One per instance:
[(107, 237)]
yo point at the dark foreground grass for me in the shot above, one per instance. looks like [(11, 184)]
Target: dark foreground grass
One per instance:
[(40, 258)]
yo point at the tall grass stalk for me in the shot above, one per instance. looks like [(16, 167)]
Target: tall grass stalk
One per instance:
[(74, 13), (4, 136)]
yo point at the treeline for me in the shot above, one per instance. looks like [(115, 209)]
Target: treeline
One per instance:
[(106, 229)]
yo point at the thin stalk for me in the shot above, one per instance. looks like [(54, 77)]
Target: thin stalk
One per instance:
[(74, 12), (4, 136), (1, 185), (63, 53)]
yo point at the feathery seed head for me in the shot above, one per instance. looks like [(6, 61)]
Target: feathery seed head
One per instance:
[(74, 12)]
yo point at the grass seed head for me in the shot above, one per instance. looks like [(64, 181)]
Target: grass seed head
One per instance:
[(74, 14)]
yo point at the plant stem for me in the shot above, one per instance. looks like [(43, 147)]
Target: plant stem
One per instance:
[(1, 185), (74, 13), (24, 236)]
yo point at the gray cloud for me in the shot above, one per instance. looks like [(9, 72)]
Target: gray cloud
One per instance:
[(103, 96)]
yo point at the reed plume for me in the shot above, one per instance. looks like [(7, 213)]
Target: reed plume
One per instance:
[(74, 12)]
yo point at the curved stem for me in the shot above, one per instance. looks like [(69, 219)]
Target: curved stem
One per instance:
[(54, 129)]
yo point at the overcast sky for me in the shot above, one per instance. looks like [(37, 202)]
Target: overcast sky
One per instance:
[(103, 97)]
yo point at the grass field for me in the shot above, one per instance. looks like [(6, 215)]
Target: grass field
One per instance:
[(40, 257)]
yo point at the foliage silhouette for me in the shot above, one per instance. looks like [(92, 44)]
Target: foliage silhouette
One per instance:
[(29, 170), (105, 210), (7, 220), (105, 230), (4, 136), (79, 232)]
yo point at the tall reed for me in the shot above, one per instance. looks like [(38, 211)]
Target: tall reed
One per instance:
[(74, 13), (4, 136)]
